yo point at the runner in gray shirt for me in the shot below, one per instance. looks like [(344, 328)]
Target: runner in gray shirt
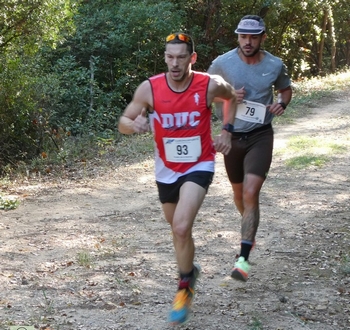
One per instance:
[(256, 75)]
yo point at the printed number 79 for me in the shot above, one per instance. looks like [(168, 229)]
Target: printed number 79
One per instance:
[(250, 111)]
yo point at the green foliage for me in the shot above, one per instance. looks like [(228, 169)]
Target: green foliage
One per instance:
[(24, 27), (311, 151), (68, 94), (345, 265), (18, 112), (309, 93), (30, 23), (294, 31), (255, 324), (305, 161), (8, 204), (72, 66), (84, 259), (130, 147), (96, 71)]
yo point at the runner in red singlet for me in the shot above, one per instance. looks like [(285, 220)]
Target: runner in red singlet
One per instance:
[(176, 106)]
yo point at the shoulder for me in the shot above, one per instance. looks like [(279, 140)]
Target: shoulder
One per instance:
[(158, 77), (200, 78), (144, 88), (145, 84), (222, 59), (220, 64), (216, 79), (217, 82), (199, 74), (272, 58), (276, 63)]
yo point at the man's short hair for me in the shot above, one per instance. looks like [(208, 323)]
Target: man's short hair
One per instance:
[(180, 38)]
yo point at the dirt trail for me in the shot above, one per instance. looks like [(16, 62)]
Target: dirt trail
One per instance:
[(98, 254)]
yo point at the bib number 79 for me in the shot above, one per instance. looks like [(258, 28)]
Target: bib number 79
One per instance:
[(250, 111)]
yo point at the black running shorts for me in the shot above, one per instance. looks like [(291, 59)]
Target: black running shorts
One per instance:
[(169, 193), (250, 153)]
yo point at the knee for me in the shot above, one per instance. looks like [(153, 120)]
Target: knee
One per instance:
[(181, 231), (251, 195)]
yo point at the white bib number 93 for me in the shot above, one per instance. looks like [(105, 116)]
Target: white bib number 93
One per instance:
[(182, 150)]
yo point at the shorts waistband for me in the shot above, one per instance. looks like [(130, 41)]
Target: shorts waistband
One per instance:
[(256, 130)]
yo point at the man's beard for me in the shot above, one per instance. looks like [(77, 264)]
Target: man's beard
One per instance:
[(252, 54)]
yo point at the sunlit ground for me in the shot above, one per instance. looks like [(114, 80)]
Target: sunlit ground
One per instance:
[(336, 81)]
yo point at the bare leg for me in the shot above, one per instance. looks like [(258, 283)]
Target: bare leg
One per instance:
[(251, 214), (249, 198), (238, 196), (246, 198), (181, 217)]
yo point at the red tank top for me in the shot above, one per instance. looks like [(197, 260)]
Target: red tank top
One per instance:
[(181, 124)]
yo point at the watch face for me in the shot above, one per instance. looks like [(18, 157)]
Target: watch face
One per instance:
[(228, 127)]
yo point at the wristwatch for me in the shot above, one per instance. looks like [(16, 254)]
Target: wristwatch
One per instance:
[(228, 127), (283, 105)]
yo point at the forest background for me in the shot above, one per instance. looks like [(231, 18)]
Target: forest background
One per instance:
[(68, 68)]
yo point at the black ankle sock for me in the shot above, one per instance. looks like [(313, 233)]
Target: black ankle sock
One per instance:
[(187, 276), (246, 246), (185, 280)]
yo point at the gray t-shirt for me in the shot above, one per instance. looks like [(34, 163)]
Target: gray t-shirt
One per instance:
[(259, 81)]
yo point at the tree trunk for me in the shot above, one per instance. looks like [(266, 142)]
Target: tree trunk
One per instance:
[(92, 78), (322, 40), (332, 37)]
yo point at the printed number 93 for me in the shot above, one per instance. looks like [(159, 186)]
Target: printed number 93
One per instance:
[(182, 150)]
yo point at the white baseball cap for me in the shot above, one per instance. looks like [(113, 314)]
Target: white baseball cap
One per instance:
[(251, 24)]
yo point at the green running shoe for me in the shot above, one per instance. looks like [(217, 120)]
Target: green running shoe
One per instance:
[(240, 270)]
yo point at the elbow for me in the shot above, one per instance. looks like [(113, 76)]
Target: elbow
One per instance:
[(124, 126), (121, 128), (234, 98)]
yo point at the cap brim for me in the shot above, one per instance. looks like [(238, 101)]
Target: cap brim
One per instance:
[(246, 31)]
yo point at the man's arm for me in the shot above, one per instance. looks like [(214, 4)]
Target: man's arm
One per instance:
[(284, 95), (222, 91), (134, 118), (283, 98)]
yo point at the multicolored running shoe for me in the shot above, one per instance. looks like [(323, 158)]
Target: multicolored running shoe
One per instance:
[(181, 307)]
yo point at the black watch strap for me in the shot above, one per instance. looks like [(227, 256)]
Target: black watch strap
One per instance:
[(229, 128), (283, 105)]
